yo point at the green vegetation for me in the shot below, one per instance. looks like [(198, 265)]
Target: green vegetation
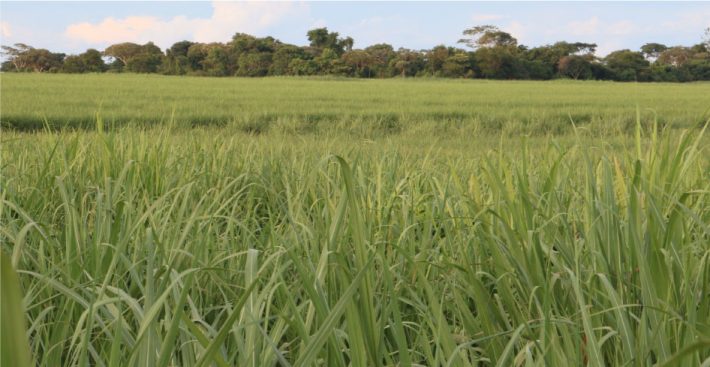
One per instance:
[(31, 101), (440, 236), (496, 55)]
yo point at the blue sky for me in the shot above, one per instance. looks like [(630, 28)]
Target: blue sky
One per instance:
[(72, 27)]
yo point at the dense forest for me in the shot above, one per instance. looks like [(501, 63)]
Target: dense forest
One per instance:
[(492, 54)]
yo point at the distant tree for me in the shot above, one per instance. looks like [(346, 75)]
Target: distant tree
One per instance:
[(137, 58), (244, 43), (151, 49), (93, 62), (499, 63), (496, 54), (254, 64), (27, 58), (16, 55), (123, 51), (176, 61), (580, 48), (627, 65), (196, 53), (457, 65), (487, 36), (7, 66), (698, 68), (327, 61), (407, 62), (303, 67), (536, 69), (435, 59), (546, 59), (144, 63), (575, 67), (381, 54), (73, 64), (347, 43), (699, 48), (217, 62), (115, 66), (675, 56), (179, 48), (653, 50), (360, 63), (321, 39), (282, 58)]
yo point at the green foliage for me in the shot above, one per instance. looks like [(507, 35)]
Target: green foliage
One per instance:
[(496, 55), (627, 65), (14, 349), (208, 246), (487, 36), (176, 61), (653, 50), (27, 58), (254, 64), (87, 62), (217, 62), (575, 67), (499, 63), (144, 63), (283, 57)]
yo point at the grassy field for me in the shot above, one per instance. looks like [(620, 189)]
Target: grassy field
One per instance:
[(539, 108), (274, 237)]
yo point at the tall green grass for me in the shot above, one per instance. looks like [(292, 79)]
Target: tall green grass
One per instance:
[(31, 101), (210, 247)]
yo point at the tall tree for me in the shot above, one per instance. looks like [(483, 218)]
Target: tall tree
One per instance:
[(216, 62), (487, 36), (627, 65), (407, 62), (123, 51), (653, 50), (137, 58), (27, 58), (283, 57), (435, 59), (87, 62), (675, 56), (575, 67), (360, 63), (382, 54), (457, 65), (347, 43), (321, 39), (17, 55)]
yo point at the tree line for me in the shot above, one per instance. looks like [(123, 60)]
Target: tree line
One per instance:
[(492, 54)]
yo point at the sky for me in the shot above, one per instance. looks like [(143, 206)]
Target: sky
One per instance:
[(72, 27)]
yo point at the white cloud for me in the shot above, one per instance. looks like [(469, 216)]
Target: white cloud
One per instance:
[(394, 30), (593, 27), (586, 27), (320, 23), (517, 30), (621, 28), (5, 29), (694, 22), (486, 17), (227, 19), (606, 47)]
